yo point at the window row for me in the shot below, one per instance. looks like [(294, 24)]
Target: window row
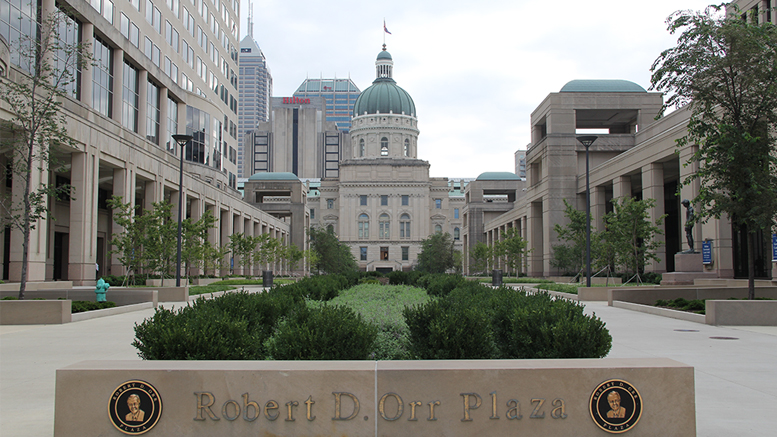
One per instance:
[(384, 226), (384, 253), (384, 147), (384, 200)]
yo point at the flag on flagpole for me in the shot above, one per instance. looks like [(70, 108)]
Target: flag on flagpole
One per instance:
[(385, 29)]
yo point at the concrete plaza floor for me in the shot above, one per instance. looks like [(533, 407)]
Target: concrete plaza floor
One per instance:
[(736, 377)]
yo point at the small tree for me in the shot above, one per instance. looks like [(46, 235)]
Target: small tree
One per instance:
[(436, 253), (512, 248), (37, 126), (127, 244), (331, 256), (725, 68), (570, 256), (632, 234), (160, 244), (193, 240), (244, 247), (480, 255)]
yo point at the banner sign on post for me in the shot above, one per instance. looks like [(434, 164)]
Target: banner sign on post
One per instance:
[(706, 252), (774, 247)]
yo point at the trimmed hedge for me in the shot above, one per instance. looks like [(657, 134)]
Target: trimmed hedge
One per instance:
[(477, 322), (80, 306)]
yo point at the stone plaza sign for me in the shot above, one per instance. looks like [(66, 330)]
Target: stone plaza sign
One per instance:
[(642, 397)]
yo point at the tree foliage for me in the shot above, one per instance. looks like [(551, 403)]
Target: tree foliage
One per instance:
[(437, 253), (481, 256), (331, 256), (570, 256), (631, 234), (725, 70), (512, 248), (37, 125)]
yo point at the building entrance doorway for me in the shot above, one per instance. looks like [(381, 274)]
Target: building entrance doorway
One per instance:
[(61, 253)]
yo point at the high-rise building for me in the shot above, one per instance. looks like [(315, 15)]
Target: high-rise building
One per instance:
[(255, 83), (299, 139), (520, 163), (160, 68), (340, 96)]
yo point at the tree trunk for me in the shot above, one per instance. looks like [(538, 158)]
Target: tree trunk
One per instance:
[(750, 264)]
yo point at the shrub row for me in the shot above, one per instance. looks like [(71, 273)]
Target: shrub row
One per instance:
[(477, 322), (80, 306)]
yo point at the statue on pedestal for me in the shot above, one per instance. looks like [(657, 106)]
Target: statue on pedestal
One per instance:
[(690, 219)]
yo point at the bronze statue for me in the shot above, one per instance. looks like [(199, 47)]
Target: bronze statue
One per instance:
[(690, 219)]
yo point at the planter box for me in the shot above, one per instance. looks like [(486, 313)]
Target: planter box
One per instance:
[(32, 286), (165, 282), (741, 312), (206, 281), (34, 312)]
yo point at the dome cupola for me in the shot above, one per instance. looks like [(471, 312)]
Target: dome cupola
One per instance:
[(384, 96)]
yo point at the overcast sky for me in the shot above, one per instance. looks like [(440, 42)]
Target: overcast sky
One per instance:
[(475, 69)]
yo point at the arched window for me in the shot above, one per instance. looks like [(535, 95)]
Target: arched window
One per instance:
[(456, 234), (404, 226), (384, 146), (364, 227), (361, 147), (406, 151), (383, 223), (437, 229)]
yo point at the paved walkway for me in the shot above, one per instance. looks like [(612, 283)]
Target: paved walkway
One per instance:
[(736, 379)]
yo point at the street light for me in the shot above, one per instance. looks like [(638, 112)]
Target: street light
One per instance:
[(587, 141), (182, 140)]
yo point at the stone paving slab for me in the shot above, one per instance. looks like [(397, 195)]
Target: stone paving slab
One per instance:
[(736, 381)]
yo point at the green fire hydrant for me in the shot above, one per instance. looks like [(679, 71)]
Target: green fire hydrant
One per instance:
[(102, 288)]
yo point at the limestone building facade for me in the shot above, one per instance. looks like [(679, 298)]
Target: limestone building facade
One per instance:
[(161, 68)]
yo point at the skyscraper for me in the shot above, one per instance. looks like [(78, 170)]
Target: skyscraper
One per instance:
[(340, 96), (255, 83)]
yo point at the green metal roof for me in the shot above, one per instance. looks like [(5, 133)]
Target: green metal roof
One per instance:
[(384, 55), (602, 86), (384, 96), (274, 176), (498, 176)]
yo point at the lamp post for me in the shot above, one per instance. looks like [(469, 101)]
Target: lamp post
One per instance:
[(587, 141), (182, 140)]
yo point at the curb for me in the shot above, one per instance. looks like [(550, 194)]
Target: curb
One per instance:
[(87, 315), (663, 312)]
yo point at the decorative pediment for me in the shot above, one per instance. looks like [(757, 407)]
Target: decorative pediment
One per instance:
[(331, 217), (438, 217)]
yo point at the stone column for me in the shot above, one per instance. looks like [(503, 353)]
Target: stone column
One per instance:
[(535, 231), (124, 187), (598, 208), (653, 188), (37, 246), (84, 177), (621, 187)]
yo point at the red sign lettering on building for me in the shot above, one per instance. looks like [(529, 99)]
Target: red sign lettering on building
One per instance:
[(295, 101)]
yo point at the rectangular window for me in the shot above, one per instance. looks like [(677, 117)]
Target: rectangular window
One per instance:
[(363, 200), (330, 203), (172, 124), (149, 12), (405, 253), (130, 98), (124, 24), (157, 20), (312, 214), (384, 254), (102, 78), (455, 213), (438, 203), (134, 35), (152, 113), (363, 253), (405, 200), (384, 200), (147, 47)]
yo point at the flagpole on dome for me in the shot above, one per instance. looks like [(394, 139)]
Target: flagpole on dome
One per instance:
[(385, 31)]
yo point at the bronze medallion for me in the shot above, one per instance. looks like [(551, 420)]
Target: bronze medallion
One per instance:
[(615, 406), (135, 407)]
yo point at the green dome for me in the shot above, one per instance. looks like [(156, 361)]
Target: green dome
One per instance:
[(384, 96), (498, 176), (384, 55), (602, 86), (274, 176)]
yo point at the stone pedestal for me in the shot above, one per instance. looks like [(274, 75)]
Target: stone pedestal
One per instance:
[(688, 266)]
